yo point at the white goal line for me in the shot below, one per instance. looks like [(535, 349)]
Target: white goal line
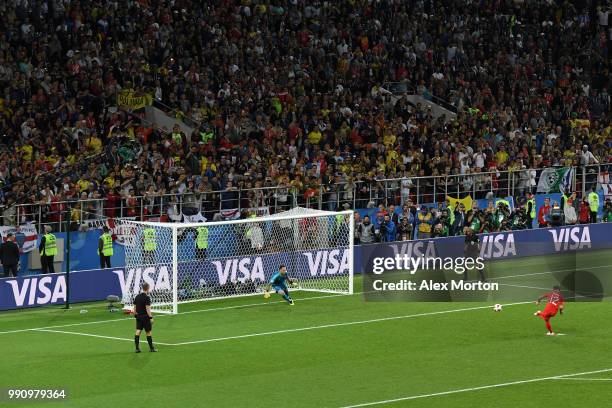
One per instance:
[(484, 387)]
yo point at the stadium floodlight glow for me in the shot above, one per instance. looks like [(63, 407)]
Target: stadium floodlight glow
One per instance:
[(192, 262)]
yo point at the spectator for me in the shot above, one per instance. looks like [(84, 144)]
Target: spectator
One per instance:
[(424, 223), (584, 212)]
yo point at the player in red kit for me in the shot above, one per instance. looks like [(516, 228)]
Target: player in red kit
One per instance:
[(554, 305)]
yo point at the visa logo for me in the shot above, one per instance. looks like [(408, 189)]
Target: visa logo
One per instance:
[(131, 282), (327, 262), (497, 246), (571, 238), (39, 291), (415, 249), (239, 270)]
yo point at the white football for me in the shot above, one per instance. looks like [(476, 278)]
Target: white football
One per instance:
[(497, 307)]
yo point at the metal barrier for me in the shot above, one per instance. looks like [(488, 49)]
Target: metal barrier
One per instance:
[(351, 194)]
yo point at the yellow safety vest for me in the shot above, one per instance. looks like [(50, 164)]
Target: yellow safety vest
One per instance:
[(50, 248), (532, 214), (594, 201), (107, 244), (149, 239), (202, 238)]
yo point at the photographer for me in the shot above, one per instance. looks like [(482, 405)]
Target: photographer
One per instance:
[(459, 221), (475, 219), (471, 249), (442, 225), (518, 220), (501, 215), (388, 232), (365, 231), (607, 211), (556, 216), (405, 230)]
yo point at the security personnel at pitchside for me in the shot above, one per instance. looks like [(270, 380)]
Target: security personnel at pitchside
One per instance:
[(48, 250), (149, 245), (105, 248), (201, 242), (472, 250)]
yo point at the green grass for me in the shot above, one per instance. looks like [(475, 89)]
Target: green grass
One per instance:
[(320, 360)]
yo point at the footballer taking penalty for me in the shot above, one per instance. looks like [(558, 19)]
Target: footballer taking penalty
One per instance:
[(555, 304), (278, 282)]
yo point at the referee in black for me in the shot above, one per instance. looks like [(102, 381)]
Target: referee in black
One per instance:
[(144, 318)]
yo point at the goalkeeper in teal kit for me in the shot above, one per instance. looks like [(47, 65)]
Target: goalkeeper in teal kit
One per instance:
[(278, 282)]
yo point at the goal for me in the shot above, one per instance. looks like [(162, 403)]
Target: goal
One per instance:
[(192, 262)]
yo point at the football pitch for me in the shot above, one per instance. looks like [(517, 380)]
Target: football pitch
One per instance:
[(326, 351)]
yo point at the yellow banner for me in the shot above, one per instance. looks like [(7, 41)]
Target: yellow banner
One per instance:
[(466, 201), (131, 100)]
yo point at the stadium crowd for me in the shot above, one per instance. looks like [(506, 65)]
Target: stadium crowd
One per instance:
[(387, 224), (294, 94)]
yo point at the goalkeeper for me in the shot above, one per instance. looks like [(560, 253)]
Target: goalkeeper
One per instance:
[(278, 282)]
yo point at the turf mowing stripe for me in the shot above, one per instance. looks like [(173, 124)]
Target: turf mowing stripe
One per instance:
[(92, 335), (215, 309), (484, 387), (326, 326)]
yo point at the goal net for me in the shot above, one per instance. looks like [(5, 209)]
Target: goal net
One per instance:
[(191, 262)]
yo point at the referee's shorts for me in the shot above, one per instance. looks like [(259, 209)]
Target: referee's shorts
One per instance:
[(143, 323)]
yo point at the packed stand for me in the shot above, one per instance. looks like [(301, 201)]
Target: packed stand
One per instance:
[(292, 96)]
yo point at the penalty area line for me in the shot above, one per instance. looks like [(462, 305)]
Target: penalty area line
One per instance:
[(484, 387), (92, 335)]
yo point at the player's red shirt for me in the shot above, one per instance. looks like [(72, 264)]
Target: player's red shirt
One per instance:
[(554, 298)]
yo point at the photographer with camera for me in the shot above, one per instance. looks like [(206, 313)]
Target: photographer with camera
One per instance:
[(365, 231), (474, 218), (442, 225), (607, 211), (556, 216), (519, 219), (405, 230), (388, 232)]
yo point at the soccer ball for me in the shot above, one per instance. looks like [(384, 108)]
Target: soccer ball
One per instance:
[(497, 308)]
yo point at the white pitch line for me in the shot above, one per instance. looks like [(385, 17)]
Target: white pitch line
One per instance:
[(91, 335), (326, 326), (484, 387), (546, 273), (583, 379), (522, 286)]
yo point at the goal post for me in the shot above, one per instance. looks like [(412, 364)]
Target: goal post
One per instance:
[(192, 262)]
